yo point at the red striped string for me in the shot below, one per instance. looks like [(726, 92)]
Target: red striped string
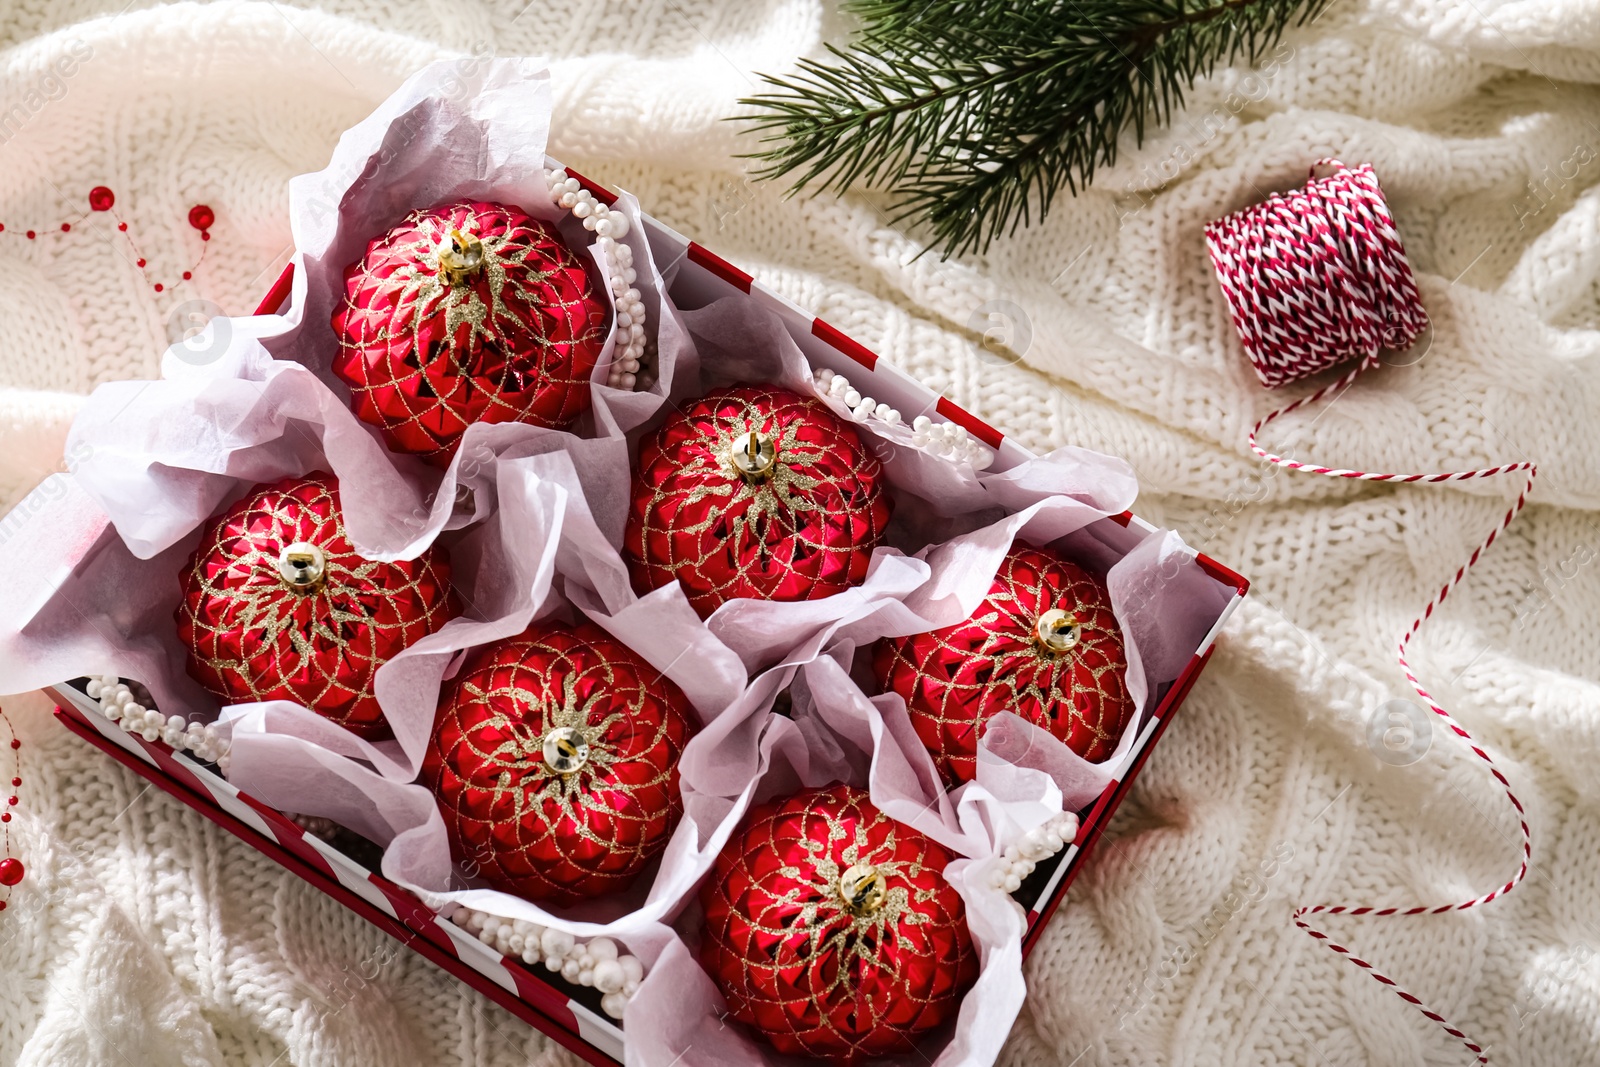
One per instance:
[(1313, 278)]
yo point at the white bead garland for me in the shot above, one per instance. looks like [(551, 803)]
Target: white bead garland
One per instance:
[(118, 704), (938, 438), (1035, 846), (609, 227), (596, 963)]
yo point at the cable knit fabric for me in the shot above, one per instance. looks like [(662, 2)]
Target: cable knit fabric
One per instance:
[(145, 935)]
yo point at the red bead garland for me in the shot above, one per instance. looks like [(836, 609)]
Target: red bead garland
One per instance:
[(103, 200), (11, 868)]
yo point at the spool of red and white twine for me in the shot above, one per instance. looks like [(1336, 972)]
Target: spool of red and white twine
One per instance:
[(1313, 278)]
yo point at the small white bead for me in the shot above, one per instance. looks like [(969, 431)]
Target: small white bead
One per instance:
[(1011, 854), (630, 365), (150, 733), (570, 970), (921, 424), (628, 381), (177, 722), (1023, 869), (516, 942), (824, 376), (567, 200), (571, 185), (581, 208), (602, 948), (864, 409), (608, 976), (552, 963), (852, 398), (892, 417), (614, 1004), (632, 968), (1053, 841), (838, 385), (460, 917), (997, 877), (636, 331), (628, 273), (603, 228), (624, 320), (114, 713), (619, 225), (1013, 883), (630, 987), (530, 952), (94, 687), (585, 977)]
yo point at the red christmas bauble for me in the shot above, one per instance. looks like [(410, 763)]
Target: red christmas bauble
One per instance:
[(277, 605), (831, 930), (463, 313), (757, 492), (1044, 645), (554, 761)]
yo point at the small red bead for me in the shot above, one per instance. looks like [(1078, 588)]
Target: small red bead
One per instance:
[(5, 816), (158, 287), (2, 905), (123, 226), (10, 871), (15, 782), (205, 235), (101, 198), (31, 235), (187, 275), (12, 800), (15, 743), (66, 227), (2, 227), (201, 217), (141, 264)]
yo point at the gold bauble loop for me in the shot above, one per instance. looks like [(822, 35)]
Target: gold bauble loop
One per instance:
[(1058, 631), (753, 457), (565, 750), (863, 888), (461, 259), (302, 567)]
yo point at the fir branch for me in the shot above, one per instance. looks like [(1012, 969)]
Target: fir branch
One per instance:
[(977, 112)]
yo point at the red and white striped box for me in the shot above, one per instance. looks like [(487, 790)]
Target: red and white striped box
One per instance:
[(568, 1013)]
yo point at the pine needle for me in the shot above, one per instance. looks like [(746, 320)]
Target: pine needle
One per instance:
[(977, 112)]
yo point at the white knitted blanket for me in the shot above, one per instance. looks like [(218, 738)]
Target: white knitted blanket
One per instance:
[(144, 935)]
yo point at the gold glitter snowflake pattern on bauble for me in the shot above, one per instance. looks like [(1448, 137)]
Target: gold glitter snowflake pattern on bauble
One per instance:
[(1044, 644), (554, 761), (831, 930), (756, 492), (463, 313), (277, 605)]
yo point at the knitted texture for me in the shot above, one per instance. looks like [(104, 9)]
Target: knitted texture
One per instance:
[(143, 934)]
